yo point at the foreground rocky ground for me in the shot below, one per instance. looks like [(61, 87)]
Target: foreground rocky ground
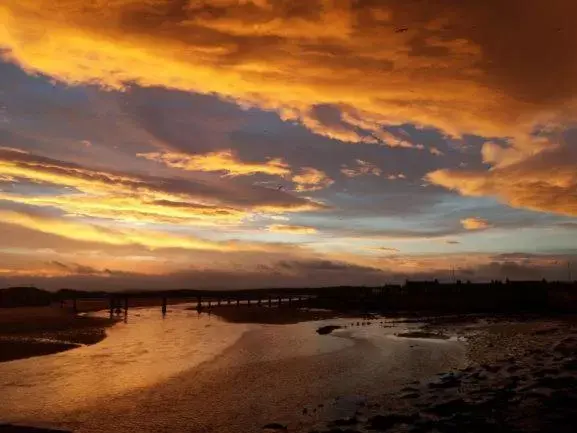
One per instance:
[(522, 378)]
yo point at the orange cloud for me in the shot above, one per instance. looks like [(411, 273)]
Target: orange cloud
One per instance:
[(311, 179), (475, 223), (446, 71), (224, 161), (545, 181), (298, 230)]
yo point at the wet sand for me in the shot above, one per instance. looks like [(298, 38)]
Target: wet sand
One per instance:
[(35, 331), (522, 378)]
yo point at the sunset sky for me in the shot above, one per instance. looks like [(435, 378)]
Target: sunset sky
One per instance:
[(258, 143)]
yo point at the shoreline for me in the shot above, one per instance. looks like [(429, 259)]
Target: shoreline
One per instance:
[(26, 332), (523, 378)]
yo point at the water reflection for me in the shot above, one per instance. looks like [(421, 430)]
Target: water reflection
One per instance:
[(138, 352), (150, 374)]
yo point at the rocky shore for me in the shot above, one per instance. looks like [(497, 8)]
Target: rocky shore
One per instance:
[(522, 378)]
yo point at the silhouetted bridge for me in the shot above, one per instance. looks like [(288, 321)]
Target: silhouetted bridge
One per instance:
[(116, 303)]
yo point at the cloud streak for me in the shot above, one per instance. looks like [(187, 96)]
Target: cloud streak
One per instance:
[(106, 194), (221, 161), (291, 229)]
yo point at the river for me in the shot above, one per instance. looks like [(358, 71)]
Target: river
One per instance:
[(190, 372)]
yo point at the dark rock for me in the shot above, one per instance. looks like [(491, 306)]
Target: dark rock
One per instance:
[(324, 330), (570, 365), (275, 426), (447, 383), (385, 422), (346, 422), (450, 407), (562, 382)]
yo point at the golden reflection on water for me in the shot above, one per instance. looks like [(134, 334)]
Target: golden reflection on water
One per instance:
[(192, 373), (146, 350)]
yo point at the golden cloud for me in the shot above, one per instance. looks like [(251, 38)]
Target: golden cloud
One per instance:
[(475, 223), (291, 229), (151, 239), (100, 234), (224, 161), (311, 179), (101, 194), (545, 181), (447, 70)]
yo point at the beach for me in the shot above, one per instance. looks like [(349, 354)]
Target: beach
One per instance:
[(197, 372)]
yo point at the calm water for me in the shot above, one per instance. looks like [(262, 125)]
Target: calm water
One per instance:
[(197, 373)]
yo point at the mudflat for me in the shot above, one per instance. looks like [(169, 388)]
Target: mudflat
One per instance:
[(34, 331)]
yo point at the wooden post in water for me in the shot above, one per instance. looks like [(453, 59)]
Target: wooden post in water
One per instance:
[(237, 302), (111, 306), (75, 306), (198, 302), (164, 300), (228, 301), (279, 301), (125, 304), (209, 303), (270, 301), (218, 302), (290, 300), (259, 302)]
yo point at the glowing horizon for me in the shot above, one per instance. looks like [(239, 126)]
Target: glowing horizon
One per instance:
[(248, 144)]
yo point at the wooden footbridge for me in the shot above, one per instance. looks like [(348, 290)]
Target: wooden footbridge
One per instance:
[(117, 303)]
